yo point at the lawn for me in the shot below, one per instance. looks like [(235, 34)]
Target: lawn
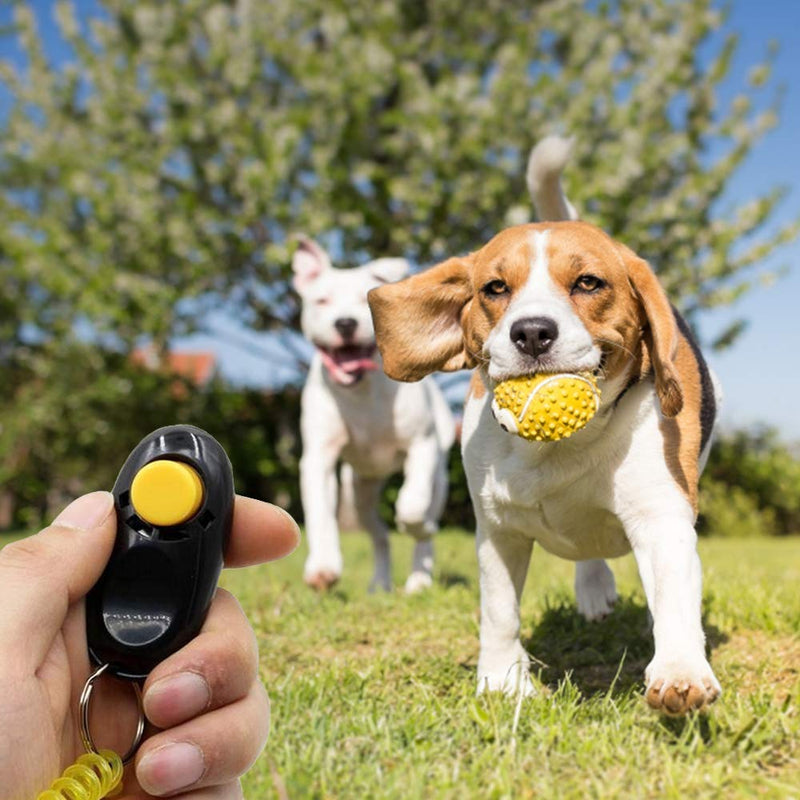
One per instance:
[(373, 695)]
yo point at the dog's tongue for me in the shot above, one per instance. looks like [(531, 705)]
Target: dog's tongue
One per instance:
[(347, 364)]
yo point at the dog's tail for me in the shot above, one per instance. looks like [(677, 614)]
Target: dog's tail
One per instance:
[(545, 165)]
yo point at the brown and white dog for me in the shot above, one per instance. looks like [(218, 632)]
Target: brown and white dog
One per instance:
[(565, 297)]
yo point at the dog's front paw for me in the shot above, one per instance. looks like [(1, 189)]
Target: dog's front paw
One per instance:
[(512, 683), (322, 579), (677, 686), (418, 581), (595, 590), (322, 570), (510, 676), (322, 574)]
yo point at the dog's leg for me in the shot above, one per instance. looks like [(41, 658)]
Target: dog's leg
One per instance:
[(421, 576), (679, 678), (595, 590), (503, 560), (416, 504), (367, 493), (417, 492), (318, 487)]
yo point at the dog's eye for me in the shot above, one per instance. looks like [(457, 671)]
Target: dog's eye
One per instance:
[(496, 288), (588, 283)]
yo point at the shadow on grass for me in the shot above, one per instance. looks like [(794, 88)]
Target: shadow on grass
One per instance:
[(676, 727), (595, 653), (448, 579)]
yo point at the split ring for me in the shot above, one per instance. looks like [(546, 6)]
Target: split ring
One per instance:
[(86, 735)]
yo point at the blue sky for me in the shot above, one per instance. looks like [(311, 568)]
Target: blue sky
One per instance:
[(759, 374)]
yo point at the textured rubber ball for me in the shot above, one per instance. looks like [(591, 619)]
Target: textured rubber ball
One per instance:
[(546, 407)]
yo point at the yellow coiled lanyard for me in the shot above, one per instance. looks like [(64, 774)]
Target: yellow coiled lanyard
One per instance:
[(92, 777), (97, 773)]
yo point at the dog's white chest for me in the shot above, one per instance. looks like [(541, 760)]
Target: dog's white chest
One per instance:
[(382, 419), (372, 448), (559, 494), (570, 520)]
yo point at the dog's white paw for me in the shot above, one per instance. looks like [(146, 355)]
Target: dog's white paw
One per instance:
[(321, 575), (680, 685), (418, 581), (595, 589), (321, 580), (512, 682), (508, 675)]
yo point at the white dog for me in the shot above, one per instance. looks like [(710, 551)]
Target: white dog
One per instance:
[(565, 297), (352, 412)]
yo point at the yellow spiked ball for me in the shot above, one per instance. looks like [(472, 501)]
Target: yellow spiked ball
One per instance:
[(546, 407)]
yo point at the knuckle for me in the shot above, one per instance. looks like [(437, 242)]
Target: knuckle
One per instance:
[(24, 555), (254, 731), (229, 667), (238, 658), (245, 735), (266, 705), (231, 752), (241, 639)]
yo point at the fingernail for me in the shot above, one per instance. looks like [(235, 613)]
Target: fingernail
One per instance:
[(170, 768), (177, 698), (87, 511)]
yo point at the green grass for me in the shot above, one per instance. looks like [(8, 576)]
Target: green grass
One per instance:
[(373, 695)]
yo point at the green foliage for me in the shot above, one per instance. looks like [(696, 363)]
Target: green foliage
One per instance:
[(74, 415), (184, 142), (728, 510), (160, 171), (751, 485)]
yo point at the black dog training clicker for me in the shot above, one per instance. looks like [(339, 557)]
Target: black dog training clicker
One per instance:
[(174, 502)]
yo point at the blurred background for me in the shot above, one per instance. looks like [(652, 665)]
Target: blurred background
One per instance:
[(157, 157)]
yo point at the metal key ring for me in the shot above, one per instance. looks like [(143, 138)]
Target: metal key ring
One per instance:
[(86, 736)]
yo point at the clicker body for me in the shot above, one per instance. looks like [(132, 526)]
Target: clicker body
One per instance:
[(174, 500)]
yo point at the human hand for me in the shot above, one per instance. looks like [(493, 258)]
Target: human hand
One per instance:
[(206, 698)]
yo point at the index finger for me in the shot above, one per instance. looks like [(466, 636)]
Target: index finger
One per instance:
[(261, 532)]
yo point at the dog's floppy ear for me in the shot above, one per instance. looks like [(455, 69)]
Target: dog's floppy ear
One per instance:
[(661, 331), (308, 263), (389, 270), (418, 321)]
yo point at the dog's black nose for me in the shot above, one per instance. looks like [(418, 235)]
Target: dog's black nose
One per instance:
[(346, 327), (534, 335)]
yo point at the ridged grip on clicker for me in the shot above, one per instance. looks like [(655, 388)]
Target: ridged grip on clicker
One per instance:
[(155, 592)]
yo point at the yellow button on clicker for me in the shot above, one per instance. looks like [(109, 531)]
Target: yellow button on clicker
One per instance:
[(166, 492)]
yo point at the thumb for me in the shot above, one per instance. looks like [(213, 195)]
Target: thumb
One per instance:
[(42, 575)]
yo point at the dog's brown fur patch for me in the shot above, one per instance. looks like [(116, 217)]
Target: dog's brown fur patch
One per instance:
[(682, 434), (477, 388)]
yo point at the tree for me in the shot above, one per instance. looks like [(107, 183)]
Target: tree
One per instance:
[(161, 169), (751, 486), (183, 143)]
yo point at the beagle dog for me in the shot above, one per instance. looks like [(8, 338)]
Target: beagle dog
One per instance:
[(564, 296)]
